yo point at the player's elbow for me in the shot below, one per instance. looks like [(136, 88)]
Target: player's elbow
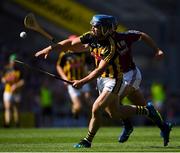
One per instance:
[(144, 36), (57, 66), (99, 71)]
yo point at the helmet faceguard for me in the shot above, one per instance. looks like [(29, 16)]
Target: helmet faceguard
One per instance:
[(106, 23)]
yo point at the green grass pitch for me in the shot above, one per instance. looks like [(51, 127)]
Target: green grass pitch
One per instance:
[(143, 139)]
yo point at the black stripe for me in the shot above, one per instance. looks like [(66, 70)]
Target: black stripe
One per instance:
[(117, 86), (133, 77)]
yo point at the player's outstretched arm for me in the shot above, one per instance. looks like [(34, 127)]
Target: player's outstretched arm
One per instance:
[(17, 85), (150, 42), (59, 46), (64, 45)]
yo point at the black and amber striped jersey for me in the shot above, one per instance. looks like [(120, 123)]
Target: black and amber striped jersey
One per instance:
[(11, 76), (124, 42), (104, 50), (73, 65)]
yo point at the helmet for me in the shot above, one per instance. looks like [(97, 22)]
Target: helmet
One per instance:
[(107, 23), (12, 57)]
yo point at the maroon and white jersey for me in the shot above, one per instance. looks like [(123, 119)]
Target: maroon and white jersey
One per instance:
[(124, 41)]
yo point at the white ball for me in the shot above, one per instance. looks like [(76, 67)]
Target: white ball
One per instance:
[(23, 35)]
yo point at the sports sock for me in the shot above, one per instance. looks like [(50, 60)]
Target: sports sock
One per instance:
[(142, 110), (90, 136)]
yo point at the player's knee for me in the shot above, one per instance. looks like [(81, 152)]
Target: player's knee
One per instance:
[(77, 105), (7, 108), (96, 111)]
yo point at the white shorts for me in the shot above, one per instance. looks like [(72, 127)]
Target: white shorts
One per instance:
[(132, 78), (73, 92), (11, 97), (109, 84)]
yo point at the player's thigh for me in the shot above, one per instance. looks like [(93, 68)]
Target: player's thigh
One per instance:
[(113, 107), (74, 94), (7, 104), (75, 97), (136, 97), (108, 89), (7, 99)]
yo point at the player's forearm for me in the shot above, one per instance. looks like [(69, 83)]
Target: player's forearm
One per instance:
[(96, 72), (67, 45), (93, 75), (64, 45), (19, 84), (61, 72), (149, 41)]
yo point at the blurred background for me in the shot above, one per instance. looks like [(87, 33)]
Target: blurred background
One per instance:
[(62, 18)]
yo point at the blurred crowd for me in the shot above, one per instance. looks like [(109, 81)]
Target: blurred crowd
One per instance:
[(48, 103), (45, 98), (45, 101)]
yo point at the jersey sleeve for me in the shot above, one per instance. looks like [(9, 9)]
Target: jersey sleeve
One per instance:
[(86, 38), (133, 35), (60, 58)]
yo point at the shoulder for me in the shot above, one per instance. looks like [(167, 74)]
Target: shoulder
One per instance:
[(133, 32), (129, 36), (68, 54), (86, 37), (128, 32), (87, 33), (61, 54)]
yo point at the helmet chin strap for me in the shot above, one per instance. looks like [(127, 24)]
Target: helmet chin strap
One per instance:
[(107, 32), (104, 32), (102, 37)]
